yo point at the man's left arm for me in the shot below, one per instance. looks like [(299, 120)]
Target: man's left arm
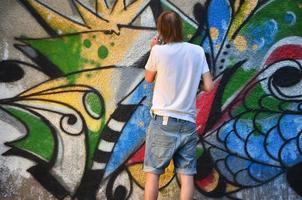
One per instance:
[(150, 76), (150, 72)]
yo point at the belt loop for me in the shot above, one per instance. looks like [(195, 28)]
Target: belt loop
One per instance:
[(152, 114), (165, 120)]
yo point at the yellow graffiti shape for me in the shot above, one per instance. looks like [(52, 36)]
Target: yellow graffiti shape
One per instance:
[(240, 43), (117, 47), (95, 22), (106, 42), (102, 18), (71, 96), (55, 20), (59, 90), (231, 188), (244, 11)]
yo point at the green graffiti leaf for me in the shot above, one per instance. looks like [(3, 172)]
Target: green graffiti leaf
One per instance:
[(237, 81), (93, 138), (64, 52), (39, 139), (252, 101)]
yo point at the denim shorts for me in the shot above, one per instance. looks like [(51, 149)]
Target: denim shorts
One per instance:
[(176, 140)]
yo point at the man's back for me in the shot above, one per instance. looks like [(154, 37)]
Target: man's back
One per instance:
[(179, 67)]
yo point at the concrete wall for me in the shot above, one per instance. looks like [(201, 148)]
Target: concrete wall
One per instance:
[(74, 106)]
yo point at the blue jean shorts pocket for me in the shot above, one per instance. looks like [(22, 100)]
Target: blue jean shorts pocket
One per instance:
[(162, 149), (162, 152)]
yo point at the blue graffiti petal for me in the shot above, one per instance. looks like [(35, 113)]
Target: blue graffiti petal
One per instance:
[(260, 42), (224, 171), (236, 164), (269, 123), (262, 35), (274, 143), (295, 107), (290, 154), (243, 178), (256, 149), (220, 156), (219, 18), (206, 45), (300, 142), (133, 135), (243, 128), (217, 153), (225, 130), (143, 89), (235, 144), (266, 31), (290, 126), (264, 173), (131, 139)]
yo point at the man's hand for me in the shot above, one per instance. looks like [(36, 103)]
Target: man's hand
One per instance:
[(208, 83), (154, 41)]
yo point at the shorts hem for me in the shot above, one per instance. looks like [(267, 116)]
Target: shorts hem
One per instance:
[(152, 170), (186, 172)]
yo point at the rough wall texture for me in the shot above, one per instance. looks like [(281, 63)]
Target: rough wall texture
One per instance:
[(74, 106)]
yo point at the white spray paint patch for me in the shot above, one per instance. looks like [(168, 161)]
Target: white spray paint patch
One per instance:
[(12, 168), (5, 51), (16, 165)]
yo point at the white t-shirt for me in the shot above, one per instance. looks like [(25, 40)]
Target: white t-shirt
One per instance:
[(179, 67)]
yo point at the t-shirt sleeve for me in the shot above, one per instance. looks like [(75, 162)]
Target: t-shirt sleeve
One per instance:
[(204, 64), (151, 63)]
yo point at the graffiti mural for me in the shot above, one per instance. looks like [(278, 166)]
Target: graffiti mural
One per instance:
[(80, 108)]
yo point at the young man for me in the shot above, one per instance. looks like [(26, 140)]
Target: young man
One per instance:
[(177, 67)]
